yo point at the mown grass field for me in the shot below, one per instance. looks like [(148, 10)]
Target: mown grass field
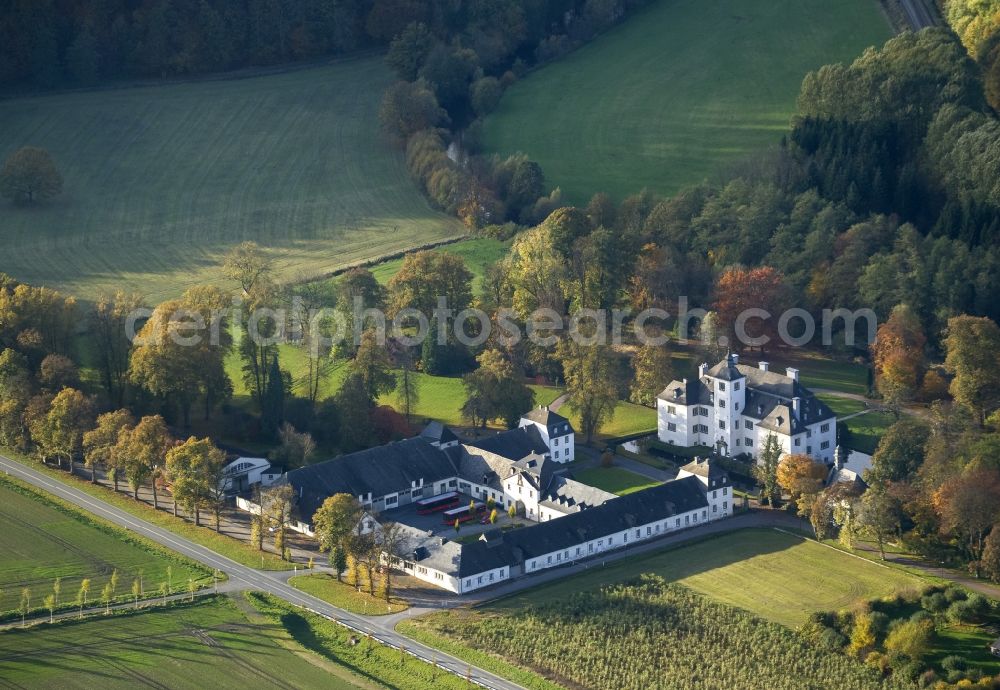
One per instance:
[(161, 181), (614, 480), (775, 575), (676, 92), (208, 644), (43, 539)]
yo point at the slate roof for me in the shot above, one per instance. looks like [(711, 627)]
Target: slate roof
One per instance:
[(379, 471), (487, 470), (711, 471), (553, 421), (568, 495), (693, 392), (642, 507), (514, 444), (726, 370), (428, 550), (436, 432)]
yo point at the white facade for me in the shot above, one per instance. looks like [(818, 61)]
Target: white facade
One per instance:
[(557, 433), (617, 540), (735, 409)]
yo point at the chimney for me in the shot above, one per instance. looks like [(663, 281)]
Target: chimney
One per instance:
[(793, 374), (796, 406), (702, 368), (764, 366)]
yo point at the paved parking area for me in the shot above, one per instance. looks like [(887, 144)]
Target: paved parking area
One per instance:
[(407, 515)]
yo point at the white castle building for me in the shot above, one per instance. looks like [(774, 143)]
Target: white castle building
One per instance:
[(733, 408)]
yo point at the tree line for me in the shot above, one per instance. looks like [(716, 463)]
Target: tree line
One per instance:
[(82, 42)]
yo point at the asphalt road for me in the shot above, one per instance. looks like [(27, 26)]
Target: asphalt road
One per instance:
[(242, 577)]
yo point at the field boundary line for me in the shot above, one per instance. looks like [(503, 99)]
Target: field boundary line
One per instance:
[(846, 553)]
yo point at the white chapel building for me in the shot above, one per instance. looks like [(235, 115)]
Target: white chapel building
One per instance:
[(732, 408)]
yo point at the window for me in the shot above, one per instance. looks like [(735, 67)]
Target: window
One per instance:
[(722, 402), (556, 454), (809, 450), (687, 520), (649, 530), (824, 445), (704, 515), (824, 428), (809, 433), (725, 490), (677, 523), (715, 509), (713, 493), (694, 518), (638, 533), (748, 442), (722, 385), (736, 386), (748, 424), (559, 557), (671, 409), (491, 577), (468, 583), (798, 442), (722, 424), (556, 442), (549, 559), (480, 579), (737, 441), (725, 506), (391, 500), (671, 426)]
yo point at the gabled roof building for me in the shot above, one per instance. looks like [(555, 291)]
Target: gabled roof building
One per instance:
[(732, 408)]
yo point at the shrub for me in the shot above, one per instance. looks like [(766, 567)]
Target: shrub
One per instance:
[(954, 593), (935, 603), (954, 663)]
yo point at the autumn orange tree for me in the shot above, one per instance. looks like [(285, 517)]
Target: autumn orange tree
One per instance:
[(969, 506), (898, 355), (740, 289), (803, 478)]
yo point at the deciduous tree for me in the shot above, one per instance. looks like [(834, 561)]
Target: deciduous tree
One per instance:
[(336, 521), (973, 357), (29, 174), (100, 444)]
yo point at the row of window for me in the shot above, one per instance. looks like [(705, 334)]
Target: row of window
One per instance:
[(689, 520), (722, 385), (492, 577)]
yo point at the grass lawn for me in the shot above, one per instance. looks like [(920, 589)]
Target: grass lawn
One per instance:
[(161, 181), (867, 429), (614, 480), (44, 539), (676, 92), (778, 576), (345, 596), (229, 547), (841, 406), (628, 419), (209, 643), (969, 642)]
